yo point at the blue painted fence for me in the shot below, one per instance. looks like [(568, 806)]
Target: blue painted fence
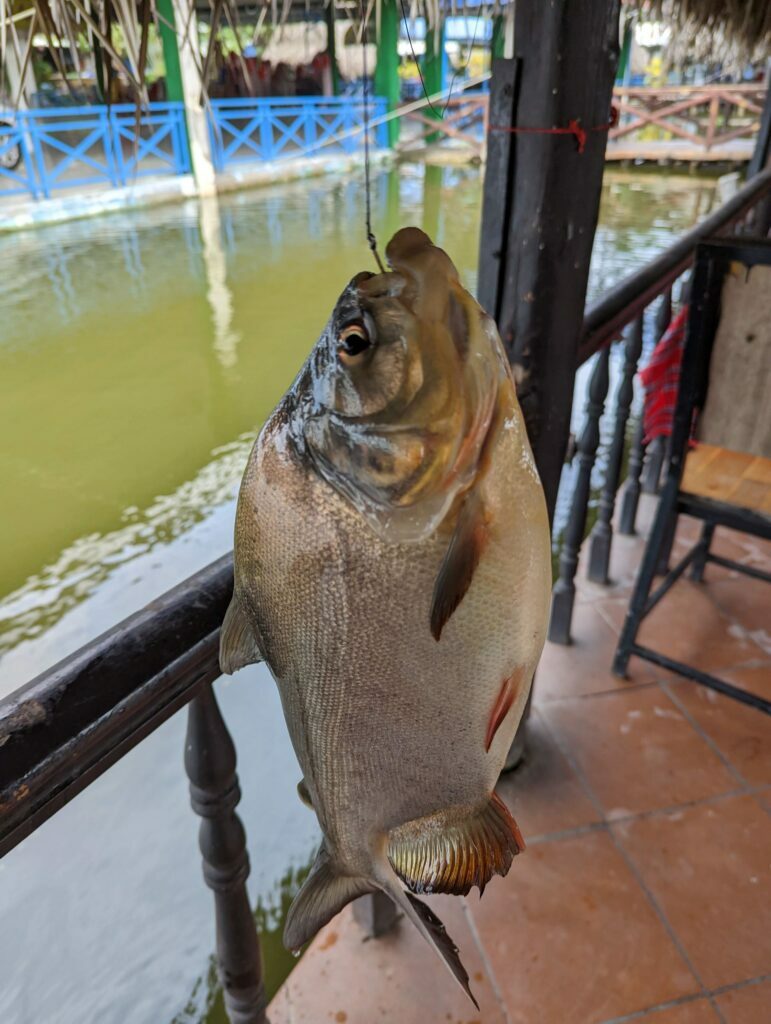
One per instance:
[(72, 147), (245, 130), (69, 147)]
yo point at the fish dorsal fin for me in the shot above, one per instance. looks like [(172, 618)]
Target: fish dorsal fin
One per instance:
[(454, 850), (238, 643), (460, 562), (324, 893)]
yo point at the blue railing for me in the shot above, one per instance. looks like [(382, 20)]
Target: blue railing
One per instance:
[(47, 149), (245, 130), (69, 147)]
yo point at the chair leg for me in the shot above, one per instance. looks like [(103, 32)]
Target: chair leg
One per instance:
[(665, 550), (661, 535), (700, 561)]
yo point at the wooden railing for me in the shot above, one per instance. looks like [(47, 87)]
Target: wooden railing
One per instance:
[(706, 118), (62, 730), (619, 318), (690, 123)]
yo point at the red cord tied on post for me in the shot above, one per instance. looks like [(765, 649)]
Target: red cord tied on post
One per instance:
[(574, 128)]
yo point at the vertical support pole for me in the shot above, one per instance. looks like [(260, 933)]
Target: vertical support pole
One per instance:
[(329, 18), (210, 762), (186, 31), (602, 533), (568, 54), (168, 33), (498, 41), (434, 73), (564, 593), (700, 561), (387, 67), (375, 914)]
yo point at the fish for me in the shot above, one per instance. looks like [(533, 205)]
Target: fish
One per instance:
[(392, 566)]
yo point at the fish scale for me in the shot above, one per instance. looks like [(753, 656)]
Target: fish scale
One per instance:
[(400, 601)]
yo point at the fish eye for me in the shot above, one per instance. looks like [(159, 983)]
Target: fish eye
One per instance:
[(352, 342)]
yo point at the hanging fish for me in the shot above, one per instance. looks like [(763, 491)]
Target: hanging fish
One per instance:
[(392, 568)]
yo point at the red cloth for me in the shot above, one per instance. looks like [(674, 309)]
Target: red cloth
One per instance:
[(661, 379)]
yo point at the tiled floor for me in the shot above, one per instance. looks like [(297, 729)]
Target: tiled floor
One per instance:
[(645, 891)]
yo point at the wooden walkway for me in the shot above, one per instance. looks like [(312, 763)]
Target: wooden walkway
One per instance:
[(644, 894)]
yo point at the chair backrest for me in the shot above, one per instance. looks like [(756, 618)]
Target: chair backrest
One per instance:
[(725, 381)]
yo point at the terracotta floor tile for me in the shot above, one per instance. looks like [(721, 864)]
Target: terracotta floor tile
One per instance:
[(570, 936), (625, 555), (756, 678), (584, 666), (750, 1004), (708, 869), (637, 751), (342, 978), (688, 626), (544, 794), (741, 733), (747, 601), (697, 1011)]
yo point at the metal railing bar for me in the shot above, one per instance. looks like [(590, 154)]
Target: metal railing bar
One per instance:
[(609, 315)]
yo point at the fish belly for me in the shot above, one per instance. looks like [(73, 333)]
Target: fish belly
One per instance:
[(388, 724)]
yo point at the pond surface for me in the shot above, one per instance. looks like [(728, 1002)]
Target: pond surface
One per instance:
[(139, 355)]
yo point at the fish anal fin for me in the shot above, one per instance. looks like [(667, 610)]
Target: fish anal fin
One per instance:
[(238, 643), (324, 893), (457, 570), (304, 793), (453, 850)]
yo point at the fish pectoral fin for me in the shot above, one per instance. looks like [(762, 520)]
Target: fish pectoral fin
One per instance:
[(452, 851), (460, 562), (324, 893), (304, 794), (238, 643)]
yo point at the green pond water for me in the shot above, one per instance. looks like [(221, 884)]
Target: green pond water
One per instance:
[(139, 355)]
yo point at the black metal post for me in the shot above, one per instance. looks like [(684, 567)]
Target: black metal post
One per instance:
[(563, 595), (210, 762), (602, 534)]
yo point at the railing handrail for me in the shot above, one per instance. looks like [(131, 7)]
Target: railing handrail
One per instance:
[(605, 318), (63, 729)]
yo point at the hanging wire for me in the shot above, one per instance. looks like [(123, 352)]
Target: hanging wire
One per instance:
[(456, 71), (371, 240)]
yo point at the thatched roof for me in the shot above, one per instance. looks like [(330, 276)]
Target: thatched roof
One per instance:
[(743, 25)]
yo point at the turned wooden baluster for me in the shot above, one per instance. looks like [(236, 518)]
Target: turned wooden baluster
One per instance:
[(630, 499), (654, 454), (602, 534), (210, 762), (563, 595)]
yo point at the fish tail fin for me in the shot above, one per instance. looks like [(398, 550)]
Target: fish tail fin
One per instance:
[(428, 924), (325, 892)]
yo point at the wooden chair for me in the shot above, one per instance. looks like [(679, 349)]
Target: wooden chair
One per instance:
[(725, 389)]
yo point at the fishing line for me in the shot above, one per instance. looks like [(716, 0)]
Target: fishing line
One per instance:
[(371, 240)]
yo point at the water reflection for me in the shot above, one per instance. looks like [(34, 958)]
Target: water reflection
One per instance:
[(139, 356)]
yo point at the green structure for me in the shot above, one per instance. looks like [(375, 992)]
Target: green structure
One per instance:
[(387, 67), (174, 91), (498, 42), (434, 68)]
